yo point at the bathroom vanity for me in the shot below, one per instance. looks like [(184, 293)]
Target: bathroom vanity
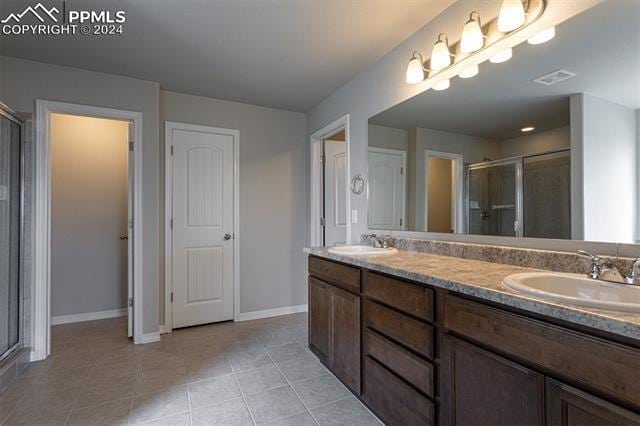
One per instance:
[(424, 339)]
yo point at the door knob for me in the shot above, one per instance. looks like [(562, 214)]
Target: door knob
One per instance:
[(227, 236), (124, 237)]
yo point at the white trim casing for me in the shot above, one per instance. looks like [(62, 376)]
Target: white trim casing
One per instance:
[(169, 127), (150, 337), (89, 316), (41, 342), (315, 235), (267, 313)]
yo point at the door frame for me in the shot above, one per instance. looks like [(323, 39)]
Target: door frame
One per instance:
[(457, 184), (42, 218), (169, 127), (316, 200), (403, 154)]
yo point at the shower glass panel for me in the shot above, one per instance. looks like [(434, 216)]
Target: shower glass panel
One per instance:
[(547, 195), (494, 206), (10, 232)]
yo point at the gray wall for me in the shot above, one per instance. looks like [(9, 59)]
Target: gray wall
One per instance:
[(549, 140), (88, 213), (25, 81), (273, 222), (388, 137), (382, 84)]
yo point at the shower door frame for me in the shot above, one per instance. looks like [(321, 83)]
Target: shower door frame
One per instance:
[(519, 200), (11, 115)]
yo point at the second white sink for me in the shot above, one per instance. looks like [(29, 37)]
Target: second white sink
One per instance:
[(577, 290), (360, 250)]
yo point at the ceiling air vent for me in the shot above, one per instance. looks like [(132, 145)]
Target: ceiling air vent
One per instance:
[(554, 77)]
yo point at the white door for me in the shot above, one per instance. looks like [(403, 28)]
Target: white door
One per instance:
[(202, 168), (130, 180), (386, 189), (335, 193)]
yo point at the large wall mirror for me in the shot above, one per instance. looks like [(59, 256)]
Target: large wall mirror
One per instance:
[(545, 145)]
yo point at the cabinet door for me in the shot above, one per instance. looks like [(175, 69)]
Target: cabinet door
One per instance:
[(481, 388), (320, 314), (346, 337), (567, 406)]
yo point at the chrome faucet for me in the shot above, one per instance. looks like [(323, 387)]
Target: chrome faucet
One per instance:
[(605, 270), (378, 242)]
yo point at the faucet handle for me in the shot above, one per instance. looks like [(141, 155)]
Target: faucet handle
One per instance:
[(587, 254)]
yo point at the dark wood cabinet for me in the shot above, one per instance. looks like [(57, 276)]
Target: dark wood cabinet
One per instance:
[(320, 302), (334, 320), (567, 406), (481, 388), (429, 356), (346, 337)]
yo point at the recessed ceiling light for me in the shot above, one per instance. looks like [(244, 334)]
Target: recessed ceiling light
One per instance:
[(527, 129)]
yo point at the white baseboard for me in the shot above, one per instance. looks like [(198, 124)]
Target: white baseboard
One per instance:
[(150, 337), (162, 329), (89, 316), (247, 316)]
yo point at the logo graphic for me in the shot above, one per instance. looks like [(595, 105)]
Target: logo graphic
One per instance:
[(16, 17)]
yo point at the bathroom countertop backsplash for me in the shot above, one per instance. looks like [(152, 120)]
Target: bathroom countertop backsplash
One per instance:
[(458, 270)]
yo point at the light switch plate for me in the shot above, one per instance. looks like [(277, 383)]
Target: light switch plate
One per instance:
[(354, 216)]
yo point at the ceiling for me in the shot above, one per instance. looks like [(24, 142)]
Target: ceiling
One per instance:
[(601, 45), (288, 54)]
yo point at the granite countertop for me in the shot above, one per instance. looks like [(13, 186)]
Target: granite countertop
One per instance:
[(484, 281)]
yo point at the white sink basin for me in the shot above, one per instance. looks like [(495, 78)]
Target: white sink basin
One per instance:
[(358, 250), (577, 290)]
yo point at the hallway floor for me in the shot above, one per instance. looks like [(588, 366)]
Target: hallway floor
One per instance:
[(254, 372)]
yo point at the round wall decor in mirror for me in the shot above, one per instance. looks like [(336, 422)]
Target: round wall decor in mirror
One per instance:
[(357, 184)]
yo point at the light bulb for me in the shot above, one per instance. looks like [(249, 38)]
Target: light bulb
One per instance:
[(543, 36), (503, 56), (512, 15), (442, 85), (527, 129), (415, 70), (472, 71), (440, 56), (472, 36)]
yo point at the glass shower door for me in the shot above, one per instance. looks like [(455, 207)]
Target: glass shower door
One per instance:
[(10, 232), (495, 198)]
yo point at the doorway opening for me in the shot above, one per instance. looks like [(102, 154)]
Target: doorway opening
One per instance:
[(444, 197), (87, 238), (330, 195)]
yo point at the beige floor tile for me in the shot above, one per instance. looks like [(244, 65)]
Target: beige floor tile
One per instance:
[(320, 391), (233, 412), (183, 419), (213, 391), (206, 368), (260, 379), (158, 379), (161, 404), (274, 404), (107, 388), (110, 413)]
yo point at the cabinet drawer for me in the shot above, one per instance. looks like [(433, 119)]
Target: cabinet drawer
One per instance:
[(410, 332), (406, 365), (335, 273), (393, 400), (606, 366), (410, 298)]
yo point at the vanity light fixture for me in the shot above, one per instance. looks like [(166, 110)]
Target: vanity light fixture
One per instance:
[(543, 36), (476, 40), (527, 129), (442, 85), (415, 69), (441, 55), (472, 35), (472, 71), (501, 57), (512, 16)]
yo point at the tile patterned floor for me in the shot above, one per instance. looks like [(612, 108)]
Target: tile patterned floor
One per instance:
[(254, 372)]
